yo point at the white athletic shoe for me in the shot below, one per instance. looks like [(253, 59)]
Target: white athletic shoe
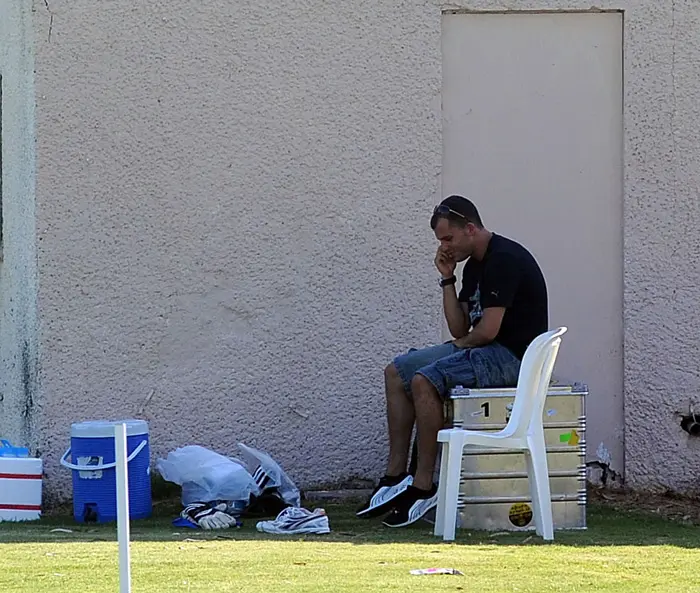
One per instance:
[(294, 520), (411, 506), (384, 496)]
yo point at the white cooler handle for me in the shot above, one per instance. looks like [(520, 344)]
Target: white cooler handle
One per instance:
[(94, 468)]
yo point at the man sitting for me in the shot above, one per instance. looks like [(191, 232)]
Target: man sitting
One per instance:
[(501, 308)]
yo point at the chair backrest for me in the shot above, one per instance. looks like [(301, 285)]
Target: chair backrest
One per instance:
[(533, 382)]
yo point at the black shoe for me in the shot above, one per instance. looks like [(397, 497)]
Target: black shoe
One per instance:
[(384, 495), (411, 506), (269, 504)]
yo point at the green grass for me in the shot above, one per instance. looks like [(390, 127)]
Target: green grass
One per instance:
[(620, 552)]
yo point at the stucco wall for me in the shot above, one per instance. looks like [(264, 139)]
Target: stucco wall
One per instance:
[(19, 399), (232, 200), (234, 208)]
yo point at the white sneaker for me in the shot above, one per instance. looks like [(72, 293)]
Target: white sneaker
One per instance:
[(293, 520), (384, 496)]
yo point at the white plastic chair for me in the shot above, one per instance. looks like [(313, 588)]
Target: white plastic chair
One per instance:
[(524, 431)]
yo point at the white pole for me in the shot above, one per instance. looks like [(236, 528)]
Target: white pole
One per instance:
[(122, 508)]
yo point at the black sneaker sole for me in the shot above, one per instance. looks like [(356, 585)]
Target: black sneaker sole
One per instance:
[(372, 512)]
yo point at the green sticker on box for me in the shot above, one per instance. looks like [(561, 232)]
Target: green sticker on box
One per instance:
[(570, 438)]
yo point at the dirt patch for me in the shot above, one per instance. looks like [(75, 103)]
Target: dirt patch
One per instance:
[(667, 505)]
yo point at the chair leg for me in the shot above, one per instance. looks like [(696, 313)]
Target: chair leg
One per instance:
[(454, 462), (442, 490), (538, 474), (534, 493)]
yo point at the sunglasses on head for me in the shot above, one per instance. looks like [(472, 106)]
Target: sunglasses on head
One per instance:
[(444, 210)]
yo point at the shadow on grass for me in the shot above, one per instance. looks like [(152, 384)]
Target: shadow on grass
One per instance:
[(606, 527)]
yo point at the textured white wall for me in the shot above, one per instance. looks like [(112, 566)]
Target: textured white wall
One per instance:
[(232, 208), (18, 324), (234, 213)]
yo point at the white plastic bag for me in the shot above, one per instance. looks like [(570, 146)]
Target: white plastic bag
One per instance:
[(206, 476), (286, 488)]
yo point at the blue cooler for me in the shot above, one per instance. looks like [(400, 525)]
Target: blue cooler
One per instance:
[(94, 475)]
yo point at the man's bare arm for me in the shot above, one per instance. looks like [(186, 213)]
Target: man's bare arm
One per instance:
[(457, 319), (485, 331)]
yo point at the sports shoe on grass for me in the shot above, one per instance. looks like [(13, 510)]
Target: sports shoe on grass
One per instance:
[(295, 520), (411, 506), (384, 495), (268, 504)]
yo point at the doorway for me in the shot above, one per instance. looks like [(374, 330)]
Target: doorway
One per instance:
[(533, 134)]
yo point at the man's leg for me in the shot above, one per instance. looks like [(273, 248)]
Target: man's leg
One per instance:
[(400, 418), (398, 377), (421, 495), (489, 366), (430, 418)]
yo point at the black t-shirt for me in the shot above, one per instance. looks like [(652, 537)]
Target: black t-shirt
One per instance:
[(508, 276)]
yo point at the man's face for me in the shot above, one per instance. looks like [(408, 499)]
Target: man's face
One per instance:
[(457, 242)]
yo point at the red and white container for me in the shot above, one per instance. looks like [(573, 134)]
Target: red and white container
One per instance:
[(20, 488)]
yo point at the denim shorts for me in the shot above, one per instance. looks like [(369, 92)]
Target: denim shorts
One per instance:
[(447, 366)]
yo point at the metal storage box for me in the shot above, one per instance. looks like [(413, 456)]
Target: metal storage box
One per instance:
[(494, 492)]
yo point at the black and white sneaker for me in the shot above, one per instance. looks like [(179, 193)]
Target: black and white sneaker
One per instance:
[(384, 495), (411, 506)]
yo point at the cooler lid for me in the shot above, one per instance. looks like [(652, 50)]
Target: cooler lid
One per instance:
[(92, 429)]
